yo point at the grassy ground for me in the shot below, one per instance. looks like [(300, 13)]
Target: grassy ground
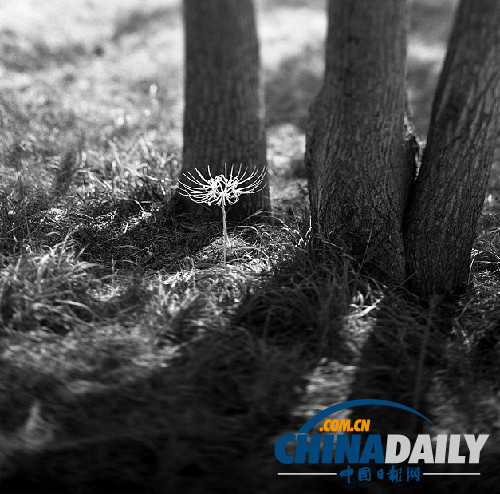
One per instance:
[(132, 360)]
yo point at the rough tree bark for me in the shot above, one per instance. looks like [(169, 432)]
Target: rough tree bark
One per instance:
[(450, 189), (358, 173), (224, 117)]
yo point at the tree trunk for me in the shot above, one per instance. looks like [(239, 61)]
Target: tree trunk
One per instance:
[(224, 117), (358, 173), (450, 189)]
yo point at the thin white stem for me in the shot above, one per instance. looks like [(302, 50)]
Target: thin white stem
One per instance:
[(224, 233)]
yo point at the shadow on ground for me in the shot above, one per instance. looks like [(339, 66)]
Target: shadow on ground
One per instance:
[(202, 415), (215, 399)]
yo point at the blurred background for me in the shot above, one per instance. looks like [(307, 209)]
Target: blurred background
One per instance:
[(114, 68), (117, 65)]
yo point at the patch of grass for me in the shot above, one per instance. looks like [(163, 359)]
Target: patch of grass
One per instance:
[(183, 369), (21, 218), (147, 382), (48, 291)]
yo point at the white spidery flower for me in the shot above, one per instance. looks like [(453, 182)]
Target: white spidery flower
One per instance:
[(221, 190)]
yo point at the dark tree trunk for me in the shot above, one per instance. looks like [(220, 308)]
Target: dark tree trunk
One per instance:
[(359, 174), (450, 189), (224, 117)]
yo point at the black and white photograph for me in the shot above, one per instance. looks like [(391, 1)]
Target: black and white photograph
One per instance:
[(249, 246)]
